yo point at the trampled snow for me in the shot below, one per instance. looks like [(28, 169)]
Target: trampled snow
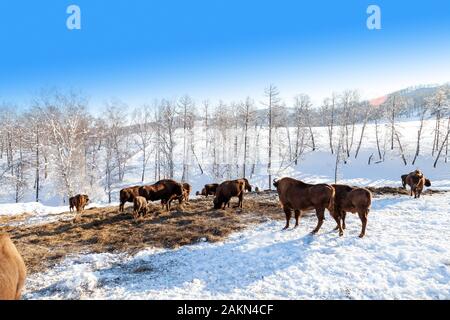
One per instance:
[(405, 255)]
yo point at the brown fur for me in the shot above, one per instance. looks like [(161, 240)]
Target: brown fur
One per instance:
[(186, 191), (299, 196), (78, 202), (209, 189), (247, 185), (354, 200), (139, 206), (128, 195), (228, 189), (12, 270), (165, 190), (416, 181)]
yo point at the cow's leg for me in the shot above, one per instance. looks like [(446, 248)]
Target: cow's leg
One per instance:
[(320, 213), (363, 217), (343, 215), (288, 213), (298, 214), (241, 200), (168, 205), (337, 217), (121, 206)]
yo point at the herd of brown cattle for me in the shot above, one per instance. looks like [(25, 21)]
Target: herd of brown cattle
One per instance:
[(294, 195)]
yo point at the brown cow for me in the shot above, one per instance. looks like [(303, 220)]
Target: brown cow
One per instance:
[(228, 189), (140, 206), (352, 199), (209, 189), (186, 191), (78, 202), (299, 196), (128, 195), (165, 190), (416, 181), (12, 270)]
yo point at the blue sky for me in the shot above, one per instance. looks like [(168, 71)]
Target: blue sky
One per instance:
[(138, 50)]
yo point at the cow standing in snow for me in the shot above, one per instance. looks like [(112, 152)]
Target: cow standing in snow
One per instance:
[(352, 199), (416, 181), (300, 196)]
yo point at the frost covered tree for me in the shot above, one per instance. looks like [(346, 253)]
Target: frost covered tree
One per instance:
[(272, 101), (167, 120), (67, 123), (186, 106), (143, 126)]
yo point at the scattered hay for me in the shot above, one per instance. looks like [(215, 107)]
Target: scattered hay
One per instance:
[(400, 191), (106, 230)]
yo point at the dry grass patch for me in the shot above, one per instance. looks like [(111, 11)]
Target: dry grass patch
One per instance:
[(107, 230)]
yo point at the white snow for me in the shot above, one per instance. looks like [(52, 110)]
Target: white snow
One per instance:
[(405, 255), (39, 213)]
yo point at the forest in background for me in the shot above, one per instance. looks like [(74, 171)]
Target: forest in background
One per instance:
[(56, 141)]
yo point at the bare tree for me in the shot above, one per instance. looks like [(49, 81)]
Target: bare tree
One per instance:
[(328, 115), (419, 134), (186, 105), (394, 104), (437, 104), (272, 95), (443, 144), (142, 122), (167, 120), (67, 124), (366, 118), (247, 115), (116, 120)]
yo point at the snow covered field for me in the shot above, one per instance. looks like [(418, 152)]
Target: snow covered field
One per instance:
[(405, 255)]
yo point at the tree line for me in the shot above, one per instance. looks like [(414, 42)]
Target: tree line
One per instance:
[(56, 141)]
